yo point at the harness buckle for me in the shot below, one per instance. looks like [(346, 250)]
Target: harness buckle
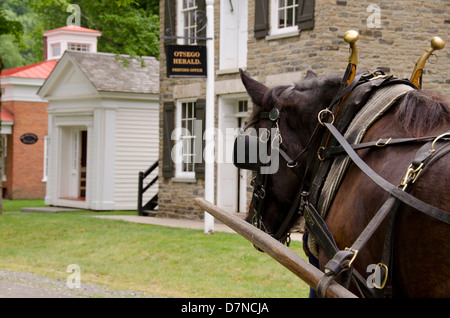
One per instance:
[(355, 252), (382, 142), (411, 176)]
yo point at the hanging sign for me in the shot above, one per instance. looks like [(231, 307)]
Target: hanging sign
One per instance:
[(186, 61), (29, 138)]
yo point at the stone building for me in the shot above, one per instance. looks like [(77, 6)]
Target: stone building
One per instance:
[(276, 42)]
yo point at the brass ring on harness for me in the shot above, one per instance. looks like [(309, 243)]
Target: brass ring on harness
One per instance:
[(320, 153), (436, 139), (292, 164), (320, 116)]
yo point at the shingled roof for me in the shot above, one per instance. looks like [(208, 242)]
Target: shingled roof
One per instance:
[(107, 72)]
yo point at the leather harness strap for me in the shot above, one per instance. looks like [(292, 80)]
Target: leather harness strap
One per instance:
[(387, 186), (331, 152), (341, 260)]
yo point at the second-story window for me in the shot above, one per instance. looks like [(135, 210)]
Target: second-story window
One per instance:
[(80, 47), (188, 21), (284, 16), (287, 12)]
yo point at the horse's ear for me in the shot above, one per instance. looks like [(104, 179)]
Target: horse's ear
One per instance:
[(310, 74), (255, 89)]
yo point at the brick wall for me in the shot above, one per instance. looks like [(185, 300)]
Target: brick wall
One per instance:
[(406, 28), (25, 163)]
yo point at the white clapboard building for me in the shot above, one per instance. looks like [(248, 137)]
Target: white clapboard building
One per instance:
[(103, 126)]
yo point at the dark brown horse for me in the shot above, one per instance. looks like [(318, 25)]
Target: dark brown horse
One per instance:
[(421, 247)]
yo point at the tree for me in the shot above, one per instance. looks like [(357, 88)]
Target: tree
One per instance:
[(15, 28), (128, 26)]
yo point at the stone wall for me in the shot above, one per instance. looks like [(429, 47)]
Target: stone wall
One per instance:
[(406, 28)]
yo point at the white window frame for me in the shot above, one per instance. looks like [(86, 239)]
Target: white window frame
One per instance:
[(46, 139), (4, 154), (183, 134), (78, 47), (275, 29), (186, 24), (53, 46)]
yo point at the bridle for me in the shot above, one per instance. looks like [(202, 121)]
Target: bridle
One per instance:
[(294, 163), (304, 163)]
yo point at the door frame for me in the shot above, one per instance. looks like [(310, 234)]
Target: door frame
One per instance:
[(228, 107)]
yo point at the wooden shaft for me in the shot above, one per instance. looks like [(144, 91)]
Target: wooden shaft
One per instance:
[(282, 254)]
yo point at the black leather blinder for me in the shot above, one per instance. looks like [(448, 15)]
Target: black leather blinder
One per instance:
[(245, 152)]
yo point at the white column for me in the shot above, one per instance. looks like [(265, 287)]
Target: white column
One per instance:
[(209, 116)]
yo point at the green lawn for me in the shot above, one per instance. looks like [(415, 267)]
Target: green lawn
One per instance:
[(158, 260)]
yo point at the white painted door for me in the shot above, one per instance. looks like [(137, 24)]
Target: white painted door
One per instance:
[(233, 33), (232, 182), (228, 172)]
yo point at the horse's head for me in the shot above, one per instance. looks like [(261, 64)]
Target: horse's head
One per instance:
[(295, 121)]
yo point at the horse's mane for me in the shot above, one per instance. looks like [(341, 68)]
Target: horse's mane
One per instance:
[(421, 111)]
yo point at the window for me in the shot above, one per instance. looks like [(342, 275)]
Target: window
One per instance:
[(284, 16), (276, 19), (188, 21), (4, 147), (185, 140), (191, 25), (287, 12), (243, 106), (78, 47), (46, 139), (56, 50)]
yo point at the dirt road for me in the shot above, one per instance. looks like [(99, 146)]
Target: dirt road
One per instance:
[(26, 285)]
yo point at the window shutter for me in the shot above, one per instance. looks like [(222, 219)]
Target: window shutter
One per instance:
[(169, 21), (261, 28), (168, 127), (200, 110), (305, 14), (201, 21)]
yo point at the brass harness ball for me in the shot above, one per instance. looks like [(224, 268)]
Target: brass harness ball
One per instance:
[(437, 43), (351, 36)]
